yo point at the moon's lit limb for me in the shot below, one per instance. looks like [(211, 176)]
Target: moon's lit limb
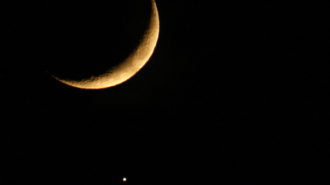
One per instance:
[(130, 66)]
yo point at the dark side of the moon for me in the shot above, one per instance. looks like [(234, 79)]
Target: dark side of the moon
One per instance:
[(75, 40)]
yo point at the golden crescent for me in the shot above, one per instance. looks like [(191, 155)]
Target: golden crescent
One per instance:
[(130, 66)]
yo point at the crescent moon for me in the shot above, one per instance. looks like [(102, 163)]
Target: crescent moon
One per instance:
[(130, 66)]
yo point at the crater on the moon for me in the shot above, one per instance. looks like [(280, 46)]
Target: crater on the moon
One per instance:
[(83, 39)]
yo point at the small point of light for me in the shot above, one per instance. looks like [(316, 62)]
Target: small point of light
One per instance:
[(124, 179)]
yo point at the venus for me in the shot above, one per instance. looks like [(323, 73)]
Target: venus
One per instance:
[(129, 66)]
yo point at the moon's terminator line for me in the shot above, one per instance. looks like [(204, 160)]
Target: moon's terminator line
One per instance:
[(130, 66)]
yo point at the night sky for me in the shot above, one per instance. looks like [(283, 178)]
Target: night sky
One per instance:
[(235, 93)]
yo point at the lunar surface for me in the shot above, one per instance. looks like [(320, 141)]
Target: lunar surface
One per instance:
[(129, 66)]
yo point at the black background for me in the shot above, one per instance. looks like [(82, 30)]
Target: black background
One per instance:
[(235, 93)]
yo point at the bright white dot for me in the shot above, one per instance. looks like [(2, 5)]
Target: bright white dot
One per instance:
[(124, 179)]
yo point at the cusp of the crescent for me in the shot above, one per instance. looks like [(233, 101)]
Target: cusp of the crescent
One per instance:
[(132, 64)]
